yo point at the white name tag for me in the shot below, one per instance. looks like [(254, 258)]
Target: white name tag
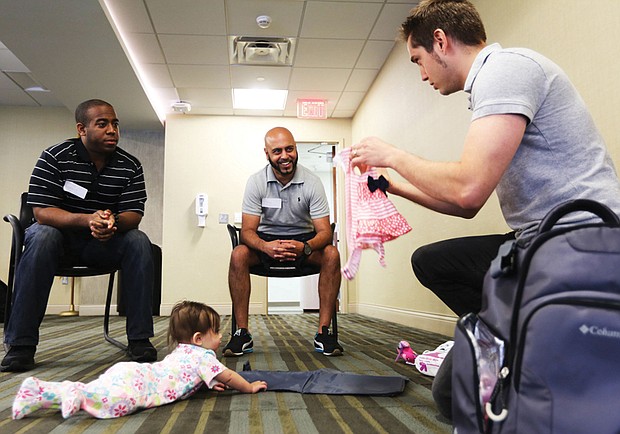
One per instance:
[(75, 189), (272, 202)]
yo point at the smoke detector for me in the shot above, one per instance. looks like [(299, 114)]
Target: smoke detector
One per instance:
[(181, 107), (263, 21)]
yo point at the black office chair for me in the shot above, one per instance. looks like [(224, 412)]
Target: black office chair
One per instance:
[(279, 270), (19, 225)]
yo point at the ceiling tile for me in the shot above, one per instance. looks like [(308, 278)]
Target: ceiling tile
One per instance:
[(345, 1), (202, 98), (195, 50), (158, 75), (247, 77), (343, 114), (7, 83), (145, 48), (168, 94), (388, 25), (9, 62), (374, 54), (16, 97), (324, 20), (285, 17), (45, 99), (209, 111), (131, 16), (206, 76), (188, 17), (334, 53), (319, 79), (350, 100), (360, 80)]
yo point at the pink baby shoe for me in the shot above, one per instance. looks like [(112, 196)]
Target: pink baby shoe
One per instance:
[(406, 353)]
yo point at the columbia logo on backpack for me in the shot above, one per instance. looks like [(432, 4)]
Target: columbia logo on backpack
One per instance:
[(543, 354), (594, 330)]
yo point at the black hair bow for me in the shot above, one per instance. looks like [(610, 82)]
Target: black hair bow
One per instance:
[(380, 183)]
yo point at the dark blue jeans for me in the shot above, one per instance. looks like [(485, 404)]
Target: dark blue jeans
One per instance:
[(46, 247)]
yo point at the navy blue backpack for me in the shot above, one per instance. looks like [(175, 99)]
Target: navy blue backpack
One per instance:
[(543, 354)]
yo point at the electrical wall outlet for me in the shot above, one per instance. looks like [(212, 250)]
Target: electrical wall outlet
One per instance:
[(64, 280), (223, 219)]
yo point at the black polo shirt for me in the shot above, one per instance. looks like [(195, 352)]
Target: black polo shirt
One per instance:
[(65, 177)]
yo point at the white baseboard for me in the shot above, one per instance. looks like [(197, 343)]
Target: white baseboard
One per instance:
[(436, 323)]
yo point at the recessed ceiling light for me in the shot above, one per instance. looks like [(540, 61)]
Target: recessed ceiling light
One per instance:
[(259, 99), (36, 89)]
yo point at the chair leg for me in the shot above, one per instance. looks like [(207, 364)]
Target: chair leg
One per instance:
[(335, 321), (233, 321), (71, 311), (106, 318)]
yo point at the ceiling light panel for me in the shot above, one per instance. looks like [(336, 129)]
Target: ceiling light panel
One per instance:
[(259, 99)]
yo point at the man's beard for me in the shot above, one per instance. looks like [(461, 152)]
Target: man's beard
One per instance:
[(276, 167)]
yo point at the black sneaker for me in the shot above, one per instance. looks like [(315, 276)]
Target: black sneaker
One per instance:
[(19, 358), (141, 351), (327, 343), (240, 343)]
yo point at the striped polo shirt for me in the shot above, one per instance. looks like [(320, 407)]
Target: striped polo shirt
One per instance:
[(65, 177)]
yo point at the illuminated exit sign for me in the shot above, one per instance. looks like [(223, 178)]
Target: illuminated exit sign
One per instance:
[(312, 108)]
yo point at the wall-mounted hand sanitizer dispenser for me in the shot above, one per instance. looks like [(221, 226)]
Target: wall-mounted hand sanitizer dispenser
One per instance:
[(202, 208)]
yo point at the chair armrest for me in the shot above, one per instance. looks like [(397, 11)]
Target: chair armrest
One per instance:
[(233, 231)]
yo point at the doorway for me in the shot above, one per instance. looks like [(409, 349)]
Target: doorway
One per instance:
[(300, 294)]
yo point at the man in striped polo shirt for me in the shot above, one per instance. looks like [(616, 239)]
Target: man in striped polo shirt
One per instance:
[(88, 199)]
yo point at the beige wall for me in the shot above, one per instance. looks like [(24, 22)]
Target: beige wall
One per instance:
[(216, 155), (25, 133), (579, 36)]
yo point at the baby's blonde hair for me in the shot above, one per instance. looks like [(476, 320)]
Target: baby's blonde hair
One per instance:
[(189, 317)]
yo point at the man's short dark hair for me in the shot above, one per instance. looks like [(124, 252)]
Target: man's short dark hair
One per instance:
[(459, 19), (81, 112)]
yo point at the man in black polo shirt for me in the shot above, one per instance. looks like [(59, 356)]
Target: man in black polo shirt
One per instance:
[(88, 199)]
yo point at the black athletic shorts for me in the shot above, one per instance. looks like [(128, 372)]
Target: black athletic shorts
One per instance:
[(267, 260)]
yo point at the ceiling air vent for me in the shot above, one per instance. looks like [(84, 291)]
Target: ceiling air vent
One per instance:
[(246, 50)]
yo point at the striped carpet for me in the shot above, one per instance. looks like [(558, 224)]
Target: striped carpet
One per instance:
[(74, 349)]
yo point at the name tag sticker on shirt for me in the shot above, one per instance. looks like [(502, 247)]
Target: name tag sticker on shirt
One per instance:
[(272, 202), (73, 188)]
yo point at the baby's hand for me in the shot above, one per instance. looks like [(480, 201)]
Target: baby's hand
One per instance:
[(219, 387), (258, 386)]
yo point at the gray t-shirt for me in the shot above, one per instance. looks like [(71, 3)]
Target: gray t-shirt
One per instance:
[(562, 155), (288, 209)]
